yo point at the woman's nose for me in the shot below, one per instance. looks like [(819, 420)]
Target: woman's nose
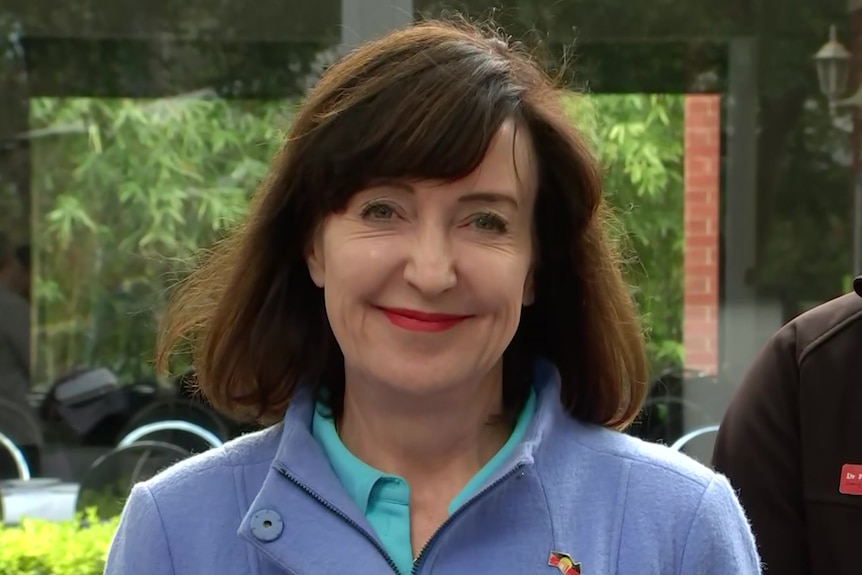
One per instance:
[(431, 267)]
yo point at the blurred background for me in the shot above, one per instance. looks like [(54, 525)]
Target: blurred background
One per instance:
[(132, 135)]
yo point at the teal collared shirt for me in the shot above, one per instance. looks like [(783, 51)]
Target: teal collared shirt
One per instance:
[(384, 499)]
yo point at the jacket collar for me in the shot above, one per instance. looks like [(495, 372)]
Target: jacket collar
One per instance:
[(301, 480), (299, 453)]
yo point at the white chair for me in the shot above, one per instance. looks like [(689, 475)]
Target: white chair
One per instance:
[(681, 443), (110, 479), (17, 457), (141, 432)]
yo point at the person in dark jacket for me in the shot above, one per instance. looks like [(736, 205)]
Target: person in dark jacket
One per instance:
[(791, 442)]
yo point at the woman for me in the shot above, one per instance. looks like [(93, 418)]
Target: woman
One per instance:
[(426, 280)]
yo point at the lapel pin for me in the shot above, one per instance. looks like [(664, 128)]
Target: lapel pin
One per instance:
[(564, 563)]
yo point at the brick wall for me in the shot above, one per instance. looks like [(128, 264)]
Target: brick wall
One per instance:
[(701, 221)]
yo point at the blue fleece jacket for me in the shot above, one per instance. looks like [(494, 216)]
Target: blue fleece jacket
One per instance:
[(270, 503)]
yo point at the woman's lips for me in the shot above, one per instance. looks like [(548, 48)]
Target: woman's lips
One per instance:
[(415, 320)]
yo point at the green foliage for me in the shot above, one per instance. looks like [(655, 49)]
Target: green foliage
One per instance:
[(639, 139), (126, 191), (55, 548)]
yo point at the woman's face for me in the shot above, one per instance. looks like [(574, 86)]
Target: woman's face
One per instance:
[(424, 281)]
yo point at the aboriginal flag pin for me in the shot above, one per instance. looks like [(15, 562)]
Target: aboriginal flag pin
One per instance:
[(565, 563)]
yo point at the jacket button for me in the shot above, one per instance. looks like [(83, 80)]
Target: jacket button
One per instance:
[(266, 525)]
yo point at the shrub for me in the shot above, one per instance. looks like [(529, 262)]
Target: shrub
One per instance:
[(55, 548)]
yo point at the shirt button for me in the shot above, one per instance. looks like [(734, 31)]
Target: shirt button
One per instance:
[(266, 525)]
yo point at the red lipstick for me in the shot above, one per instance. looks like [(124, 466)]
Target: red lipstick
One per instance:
[(414, 320)]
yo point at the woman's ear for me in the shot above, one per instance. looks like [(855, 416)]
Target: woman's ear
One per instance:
[(315, 261), (529, 290)]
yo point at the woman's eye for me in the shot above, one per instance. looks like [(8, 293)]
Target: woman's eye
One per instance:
[(489, 222), (378, 212)]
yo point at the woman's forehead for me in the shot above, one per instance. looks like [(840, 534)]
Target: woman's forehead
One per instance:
[(508, 167)]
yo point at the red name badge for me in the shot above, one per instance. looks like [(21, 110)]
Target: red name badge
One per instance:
[(851, 480)]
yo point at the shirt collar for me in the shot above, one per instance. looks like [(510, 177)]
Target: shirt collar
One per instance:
[(357, 476)]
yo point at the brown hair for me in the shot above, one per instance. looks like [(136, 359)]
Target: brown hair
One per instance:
[(420, 103)]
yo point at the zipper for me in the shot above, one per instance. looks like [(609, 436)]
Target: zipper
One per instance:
[(449, 520), (346, 518)]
